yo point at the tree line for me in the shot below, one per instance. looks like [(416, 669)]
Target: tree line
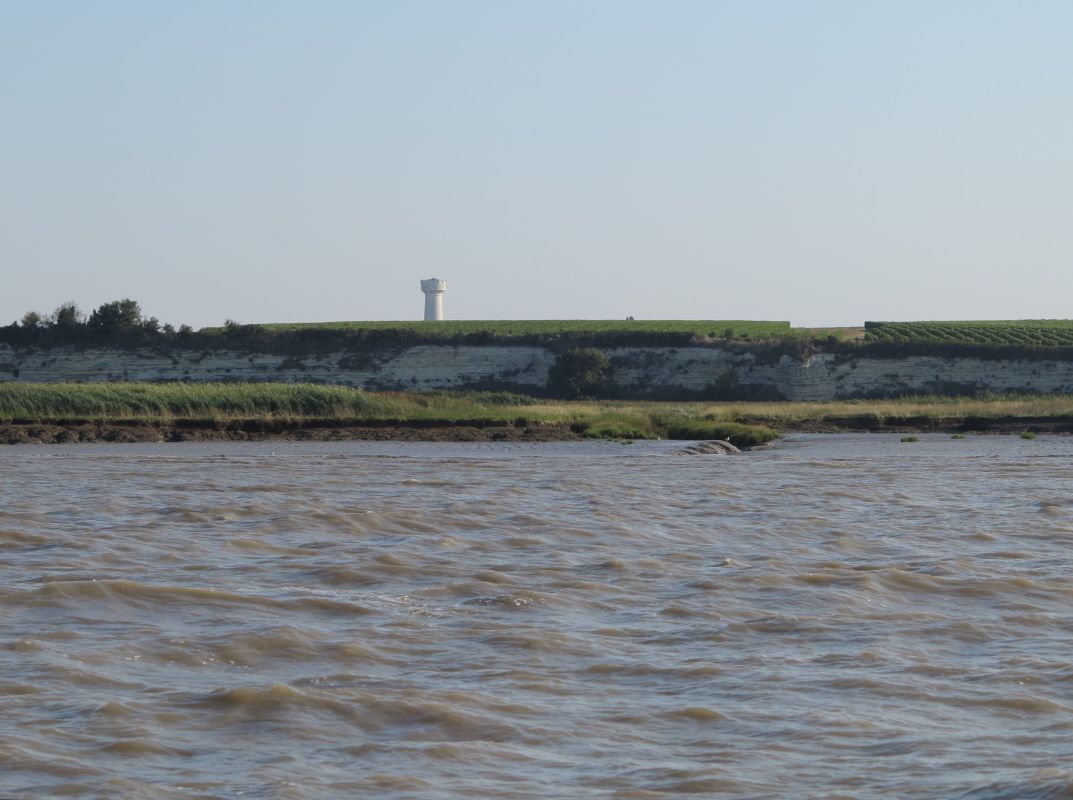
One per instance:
[(119, 319)]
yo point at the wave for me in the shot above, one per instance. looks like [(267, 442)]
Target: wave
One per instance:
[(150, 596)]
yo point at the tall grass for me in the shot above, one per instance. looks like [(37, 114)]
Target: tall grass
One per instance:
[(164, 402), (744, 423), (735, 432), (927, 407), (104, 401)]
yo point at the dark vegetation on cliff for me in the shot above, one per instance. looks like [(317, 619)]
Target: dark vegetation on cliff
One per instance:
[(121, 324), (580, 372)]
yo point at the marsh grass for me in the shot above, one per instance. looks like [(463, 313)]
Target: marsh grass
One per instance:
[(733, 432), (106, 401), (742, 423), (613, 425), (879, 412), (224, 404)]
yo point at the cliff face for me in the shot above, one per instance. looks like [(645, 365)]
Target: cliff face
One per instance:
[(659, 372), (721, 374), (404, 368)]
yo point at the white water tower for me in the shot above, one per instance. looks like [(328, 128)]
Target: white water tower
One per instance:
[(433, 289)]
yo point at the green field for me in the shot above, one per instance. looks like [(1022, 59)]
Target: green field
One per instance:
[(725, 329), (1018, 333)]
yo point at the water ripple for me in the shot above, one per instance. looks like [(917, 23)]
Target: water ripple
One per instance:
[(831, 617)]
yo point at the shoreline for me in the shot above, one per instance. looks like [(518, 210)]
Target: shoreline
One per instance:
[(979, 425), (186, 431), (133, 431), (144, 412)]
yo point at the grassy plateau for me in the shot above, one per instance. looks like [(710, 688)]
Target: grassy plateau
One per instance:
[(1015, 333), (727, 329)]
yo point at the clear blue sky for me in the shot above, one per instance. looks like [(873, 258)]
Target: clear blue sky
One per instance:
[(824, 162)]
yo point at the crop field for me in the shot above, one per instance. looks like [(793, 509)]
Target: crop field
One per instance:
[(723, 329), (1019, 333)]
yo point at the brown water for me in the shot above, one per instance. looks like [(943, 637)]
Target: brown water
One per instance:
[(840, 616)]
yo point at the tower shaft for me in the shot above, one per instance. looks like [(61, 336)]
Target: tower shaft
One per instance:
[(434, 289)]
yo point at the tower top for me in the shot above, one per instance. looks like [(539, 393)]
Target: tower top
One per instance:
[(433, 285)]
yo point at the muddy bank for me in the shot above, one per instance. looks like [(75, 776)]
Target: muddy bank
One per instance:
[(69, 432), (868, 423), (75, 432)]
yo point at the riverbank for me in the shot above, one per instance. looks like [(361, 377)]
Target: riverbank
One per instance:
[(262, 430), (996, 425), (138, 412), (178, 411), (259, 430)]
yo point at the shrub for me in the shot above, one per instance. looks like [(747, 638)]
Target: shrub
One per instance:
[(612, 425), (31, 319), (734, 432), (580, 372), (67, 316)]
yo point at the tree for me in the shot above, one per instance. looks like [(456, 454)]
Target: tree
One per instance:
[(67, 316), (580, 372), (117, 318), (31, 319)]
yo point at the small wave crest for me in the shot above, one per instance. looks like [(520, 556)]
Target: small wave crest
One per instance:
[(1049, 784), (166, 597)]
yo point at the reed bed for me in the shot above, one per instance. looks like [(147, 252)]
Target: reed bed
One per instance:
[(298, 403), (999, 406), (137, 400), (107, 401), (741, 422)]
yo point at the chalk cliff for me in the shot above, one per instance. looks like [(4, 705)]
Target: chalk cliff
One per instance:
[(714, 371)]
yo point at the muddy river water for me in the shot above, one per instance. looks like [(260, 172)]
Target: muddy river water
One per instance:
[(834, 617)]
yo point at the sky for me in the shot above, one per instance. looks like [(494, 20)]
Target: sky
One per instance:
[(824, 162)]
